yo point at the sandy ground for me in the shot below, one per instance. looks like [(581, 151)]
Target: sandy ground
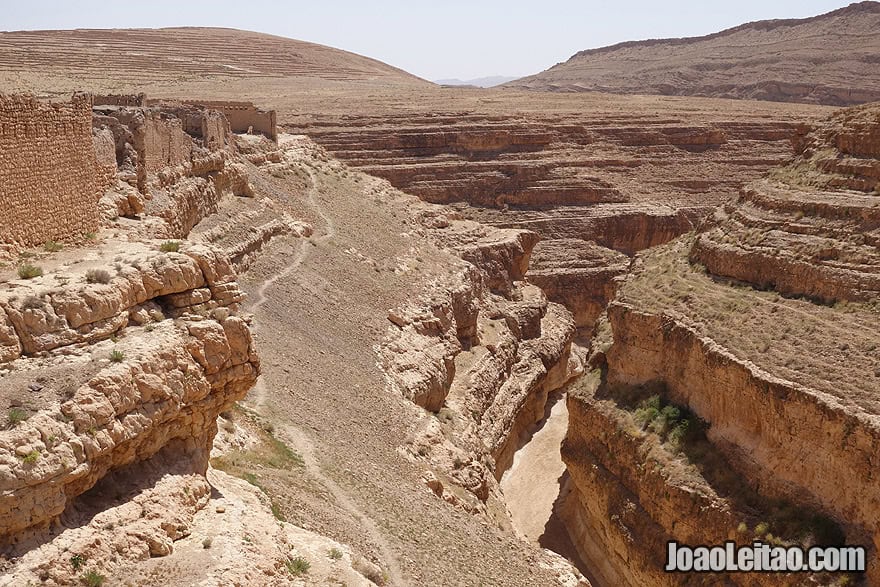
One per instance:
[(531, 485)]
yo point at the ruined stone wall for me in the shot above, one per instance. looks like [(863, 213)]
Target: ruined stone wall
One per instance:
[(243, 116), (161, 142), (120, 99), (49, 177), (209, 125)]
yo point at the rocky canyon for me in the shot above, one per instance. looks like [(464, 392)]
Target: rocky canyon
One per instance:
[(274, 313)]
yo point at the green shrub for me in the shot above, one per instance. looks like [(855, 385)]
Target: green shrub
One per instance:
[(28, 271), (52, 246), (98, 276), (15, 416), (170, 246), (297, 566), (335, 554), (648, 411), (117, 356), (762, 528), (678, 434), (32, 457), (77, 561)]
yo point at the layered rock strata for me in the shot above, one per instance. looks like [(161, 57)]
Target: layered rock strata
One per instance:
[(160, 385), (776, 408), (578, 274), (812, 228), (483, 350)]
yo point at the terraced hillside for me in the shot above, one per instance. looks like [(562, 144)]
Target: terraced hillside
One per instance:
[(121, 59), (827, 59)]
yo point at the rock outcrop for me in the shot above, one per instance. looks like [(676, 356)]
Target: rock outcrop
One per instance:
[(812, 228), (161, 384), (484, 350), (578, 274)]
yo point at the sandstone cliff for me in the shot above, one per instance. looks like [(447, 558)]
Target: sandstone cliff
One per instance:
[(163, 383), (811, 228)]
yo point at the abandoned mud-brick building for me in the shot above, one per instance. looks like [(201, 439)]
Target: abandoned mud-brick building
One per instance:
[(244, 117), (50, 180)]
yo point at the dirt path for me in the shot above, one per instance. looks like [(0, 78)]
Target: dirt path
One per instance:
[(328, 229), (259, 397)]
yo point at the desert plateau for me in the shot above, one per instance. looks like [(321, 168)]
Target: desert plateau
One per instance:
[(276, 313)]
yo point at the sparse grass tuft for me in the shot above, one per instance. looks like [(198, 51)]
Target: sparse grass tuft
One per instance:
[(15, 416), (335, 554), (92, 579), (170, 246), (28, 271), (52, 246), (297, 566), (31, 457), (98, 276), (117, 356), (276, 511), (32, 303)]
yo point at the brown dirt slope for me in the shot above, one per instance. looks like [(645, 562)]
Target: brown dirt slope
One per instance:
[(826, 59), (65, 60)]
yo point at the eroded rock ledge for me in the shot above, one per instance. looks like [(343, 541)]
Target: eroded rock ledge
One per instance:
[(483, 350), (162, 381)]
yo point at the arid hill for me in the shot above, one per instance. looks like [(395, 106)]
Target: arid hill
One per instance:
[(62, 61), (828, 59)]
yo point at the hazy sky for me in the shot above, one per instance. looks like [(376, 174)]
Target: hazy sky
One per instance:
[(432, 39)]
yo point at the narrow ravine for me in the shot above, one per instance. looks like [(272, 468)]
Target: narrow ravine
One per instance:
[(533, 485)]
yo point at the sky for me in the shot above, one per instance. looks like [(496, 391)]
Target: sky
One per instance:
[(433, 39)]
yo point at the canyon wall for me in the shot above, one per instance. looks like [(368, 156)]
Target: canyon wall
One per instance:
[(483, 351), (758, 337), (49, 177)]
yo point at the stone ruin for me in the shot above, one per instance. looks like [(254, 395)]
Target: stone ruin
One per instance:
[(59, 161), (50, 176), (243, 117)]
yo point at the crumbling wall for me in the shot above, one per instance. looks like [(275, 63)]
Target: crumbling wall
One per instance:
[(161, 141), (120, 99), (49, 176), (211, 126), (244, 117)]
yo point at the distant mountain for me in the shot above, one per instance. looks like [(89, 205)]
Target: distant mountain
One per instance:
[(829, 59), (480, 82)]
